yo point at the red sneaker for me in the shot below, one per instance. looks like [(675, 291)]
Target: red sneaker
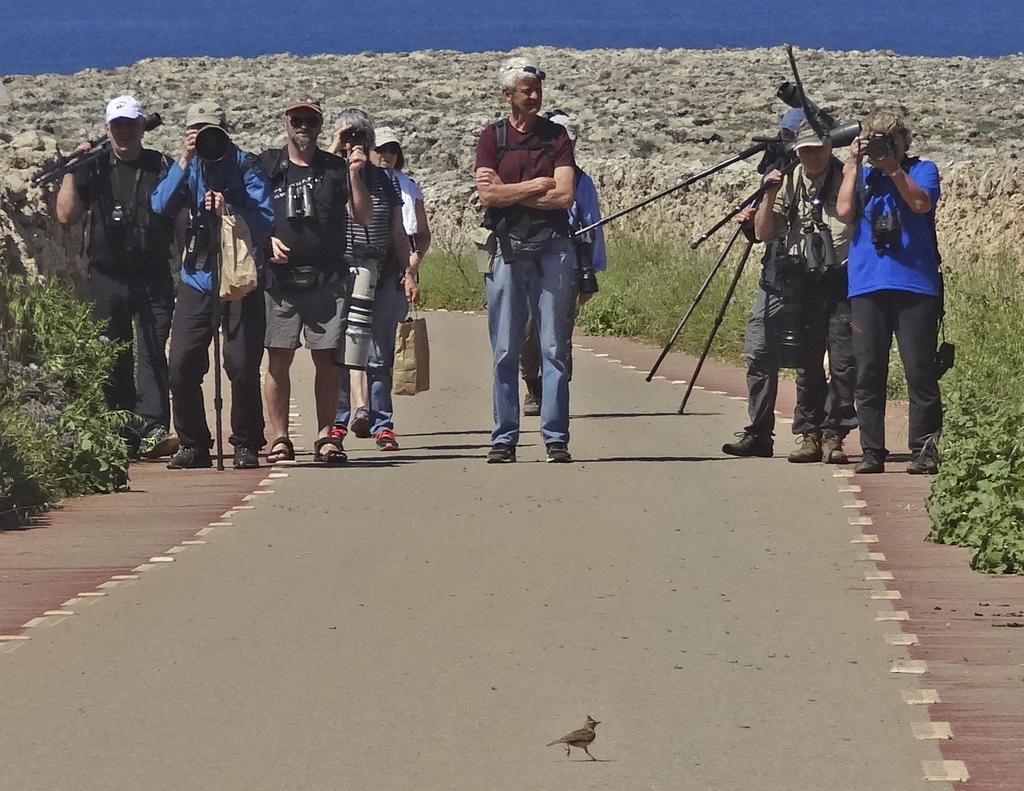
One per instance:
[(337, 432), (385, 439)]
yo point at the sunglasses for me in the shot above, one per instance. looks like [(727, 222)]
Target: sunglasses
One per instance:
[(305, 121), (534, 71)]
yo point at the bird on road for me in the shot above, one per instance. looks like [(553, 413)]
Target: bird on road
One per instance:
[(579, 738)]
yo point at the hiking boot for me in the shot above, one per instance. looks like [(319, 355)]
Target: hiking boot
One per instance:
[(158, 443), (926, 460), (190, 458), (871, 462), (531, 403), (385, 439), (832, 448), (361, 423), (750, 445), (808, 450), (558, 453), (501, 453), (246, 458)]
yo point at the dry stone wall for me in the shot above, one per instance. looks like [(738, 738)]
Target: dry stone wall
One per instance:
[(648, 118)]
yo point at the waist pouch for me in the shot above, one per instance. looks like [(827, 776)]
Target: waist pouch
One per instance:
[(295, 278)]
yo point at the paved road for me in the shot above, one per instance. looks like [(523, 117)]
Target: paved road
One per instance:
[(424, 620)]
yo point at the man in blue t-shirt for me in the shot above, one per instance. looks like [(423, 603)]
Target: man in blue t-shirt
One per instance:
[(895, 284)]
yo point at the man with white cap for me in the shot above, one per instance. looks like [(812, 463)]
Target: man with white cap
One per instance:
[(797, 219), (525, 173), (130, 283)]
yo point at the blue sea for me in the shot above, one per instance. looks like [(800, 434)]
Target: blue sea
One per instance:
[(57, 36)]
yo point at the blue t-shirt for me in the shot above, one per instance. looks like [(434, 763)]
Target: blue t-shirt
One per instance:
[(914, 265)]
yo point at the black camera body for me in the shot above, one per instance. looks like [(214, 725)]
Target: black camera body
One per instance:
[(878, 147), (886, 232), (586, 278)]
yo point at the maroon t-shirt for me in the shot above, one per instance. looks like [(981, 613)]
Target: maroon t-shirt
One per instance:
[(520, 164), (538, 152)]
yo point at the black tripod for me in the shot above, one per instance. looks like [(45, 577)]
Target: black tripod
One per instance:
[(752, 200)]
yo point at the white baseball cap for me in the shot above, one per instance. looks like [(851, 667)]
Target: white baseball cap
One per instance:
[(123, 107)]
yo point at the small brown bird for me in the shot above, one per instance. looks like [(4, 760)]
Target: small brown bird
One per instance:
[(579, 738)]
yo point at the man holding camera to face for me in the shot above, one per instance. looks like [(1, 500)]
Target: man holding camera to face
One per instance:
[(222, 177), (801, 309), (895, 285), (307, 276), (130, 281)]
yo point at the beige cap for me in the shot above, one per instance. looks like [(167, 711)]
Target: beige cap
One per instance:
[(204, 112), (385, 135), (806, 137)]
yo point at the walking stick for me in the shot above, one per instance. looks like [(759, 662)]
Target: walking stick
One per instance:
[(217, 318)]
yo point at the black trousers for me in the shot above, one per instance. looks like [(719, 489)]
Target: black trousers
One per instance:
[(914, 320), (243, 325), (136, 308), (821, 404)]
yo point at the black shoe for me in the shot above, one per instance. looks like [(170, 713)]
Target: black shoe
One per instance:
[(558, 453), (926, 460), (750, 445), (871, 462), (501, 453), (246, 458), (190, 458)]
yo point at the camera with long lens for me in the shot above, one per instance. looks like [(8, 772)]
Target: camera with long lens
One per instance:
[(300, 201), (212, 143), (878, 146), (886, 233), (784, 278), (586, 278), (364, 261)]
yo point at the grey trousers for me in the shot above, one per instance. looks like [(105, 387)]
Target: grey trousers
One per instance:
[(821, 404)]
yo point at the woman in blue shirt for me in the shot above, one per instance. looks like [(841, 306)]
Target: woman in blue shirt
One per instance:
[(895, 286)]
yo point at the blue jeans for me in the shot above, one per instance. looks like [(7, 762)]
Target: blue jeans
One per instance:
[(541, 285), (389, 309)]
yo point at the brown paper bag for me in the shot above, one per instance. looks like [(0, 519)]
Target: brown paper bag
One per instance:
[(237, 264), (412, 358)]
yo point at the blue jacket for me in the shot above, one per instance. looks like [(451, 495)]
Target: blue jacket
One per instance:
[(247, 193), (588, 209)]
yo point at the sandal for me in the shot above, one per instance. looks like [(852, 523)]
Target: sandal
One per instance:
[(285, 453), (334, 456)]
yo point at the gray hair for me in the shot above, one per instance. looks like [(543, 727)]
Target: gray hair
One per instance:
[(358, 119), (512, 69)]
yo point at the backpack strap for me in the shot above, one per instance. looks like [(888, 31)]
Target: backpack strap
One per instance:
[(501, 134)]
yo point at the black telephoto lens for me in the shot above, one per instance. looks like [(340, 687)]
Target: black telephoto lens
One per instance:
[(212, 143)]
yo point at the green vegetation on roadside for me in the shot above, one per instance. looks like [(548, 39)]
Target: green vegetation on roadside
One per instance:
[(977, 499), (57, 438)]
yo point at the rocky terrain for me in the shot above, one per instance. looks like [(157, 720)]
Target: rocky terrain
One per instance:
[(648, 119)]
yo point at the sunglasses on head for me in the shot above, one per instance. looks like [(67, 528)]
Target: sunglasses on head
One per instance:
[(535, 72), (305, 121)]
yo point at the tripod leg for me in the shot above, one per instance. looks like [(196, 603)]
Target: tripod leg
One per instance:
[(696, 299), (717, 324)]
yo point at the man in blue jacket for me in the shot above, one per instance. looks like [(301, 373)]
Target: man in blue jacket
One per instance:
[(242, 186)]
